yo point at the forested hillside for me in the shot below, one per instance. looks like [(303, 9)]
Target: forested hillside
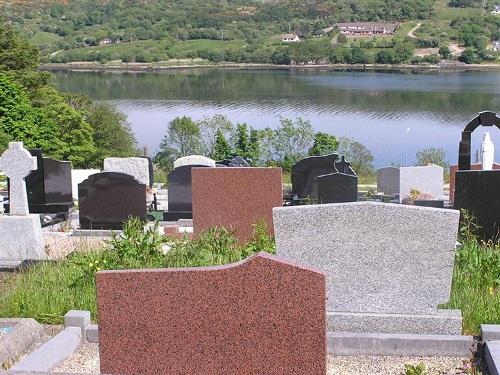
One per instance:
[(243, 31)]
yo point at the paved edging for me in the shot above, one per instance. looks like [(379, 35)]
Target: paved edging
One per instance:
[(492, 357), (377, 344), (52, 353)]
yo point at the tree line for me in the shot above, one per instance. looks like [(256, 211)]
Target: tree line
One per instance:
[(218, 138), (66, 126)]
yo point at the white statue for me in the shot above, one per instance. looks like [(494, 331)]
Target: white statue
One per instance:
[(487, 152)]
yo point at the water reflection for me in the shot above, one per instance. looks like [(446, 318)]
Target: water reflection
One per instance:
[(375, 108)]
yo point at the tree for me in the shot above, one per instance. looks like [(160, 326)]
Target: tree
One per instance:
[(253, 155), (433, 155), (292, 140), (360, 157), (385, 56), (468, 56), (19, 121), (241, 145), (444, 52), (209, 128), (112, 134), (183, 136), (4, 141), (324, 144), (222, 149)]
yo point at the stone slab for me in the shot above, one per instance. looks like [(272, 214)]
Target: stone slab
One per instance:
[(444, 322), (21, 238), (259, 316), (51, 353), (379, 258), (426, 179), (17, 337), (388, 180), (235, 198), (478, 193), (92, 334), (490, 332), (194, 160), (454, 169), (79, 319), (134, 166), (354, 344), (492, 357)]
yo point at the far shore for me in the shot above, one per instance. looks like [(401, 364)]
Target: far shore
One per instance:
[(158, 67)]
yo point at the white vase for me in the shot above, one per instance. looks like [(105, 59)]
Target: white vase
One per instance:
[(487, 152)]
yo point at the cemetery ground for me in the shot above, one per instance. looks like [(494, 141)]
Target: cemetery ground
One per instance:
[(49, 289)]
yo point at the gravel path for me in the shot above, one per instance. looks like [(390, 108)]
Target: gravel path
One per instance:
[(86, 361)]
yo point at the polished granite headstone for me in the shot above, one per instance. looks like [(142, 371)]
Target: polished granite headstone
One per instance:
[(337, 188), (236, 162), (49, 187), (340, 186), (180, 196), (108, 199), (306, 171), (262, 315), (478, 191)]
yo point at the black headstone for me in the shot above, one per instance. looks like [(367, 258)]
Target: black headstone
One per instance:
[(436, 203), (180, 196), (237, 161), (478, 191), (305, 172), (49, 187), (108, 199), (337, 188)]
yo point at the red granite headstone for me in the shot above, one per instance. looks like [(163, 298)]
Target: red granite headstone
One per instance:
[(454, 168), (259, 316), (235, 198)]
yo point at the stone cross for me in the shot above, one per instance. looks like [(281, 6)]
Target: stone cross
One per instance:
[(17, 163)]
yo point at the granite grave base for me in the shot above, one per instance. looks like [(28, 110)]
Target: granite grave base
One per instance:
[(444, 322), (21, 239)]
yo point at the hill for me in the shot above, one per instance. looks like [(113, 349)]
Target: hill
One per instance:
[(244, 31)]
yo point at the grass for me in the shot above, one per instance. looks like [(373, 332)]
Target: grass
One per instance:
[(48, 290), (186, 48), (44, 38)]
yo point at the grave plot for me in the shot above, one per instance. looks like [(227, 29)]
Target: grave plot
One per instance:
[(388, 266), (236, 198), (262, 315)]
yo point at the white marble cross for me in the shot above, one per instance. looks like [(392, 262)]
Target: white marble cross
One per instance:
[(17, 163)]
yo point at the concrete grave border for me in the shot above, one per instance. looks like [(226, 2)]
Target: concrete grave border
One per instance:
[(28, 334)]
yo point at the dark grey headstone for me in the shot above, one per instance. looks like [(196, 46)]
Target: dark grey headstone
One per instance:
[(337, 188), (49, 187), (180, 197), (237, 162), (479, 193), (305, 172), (108, 199)]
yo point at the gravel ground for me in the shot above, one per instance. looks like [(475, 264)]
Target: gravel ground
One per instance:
[(86, 361)]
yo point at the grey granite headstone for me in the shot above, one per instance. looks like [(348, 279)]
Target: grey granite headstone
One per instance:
[(17, 163), (388, 266), (134, 166), (400, 181), (21, 235), (194, 160)]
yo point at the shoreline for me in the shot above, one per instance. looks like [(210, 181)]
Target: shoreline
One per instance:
[(158, 68)]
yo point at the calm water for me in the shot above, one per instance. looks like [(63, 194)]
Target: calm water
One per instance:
[(372, 107)]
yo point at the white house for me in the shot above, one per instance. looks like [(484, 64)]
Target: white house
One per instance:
[(496, 9), (496, 46), (289, 38)]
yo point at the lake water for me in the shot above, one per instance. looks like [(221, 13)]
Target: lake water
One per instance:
[(375, 108)]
